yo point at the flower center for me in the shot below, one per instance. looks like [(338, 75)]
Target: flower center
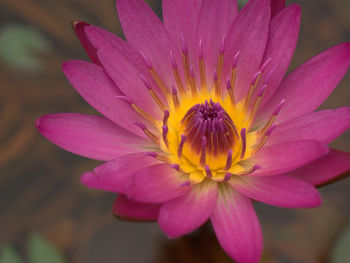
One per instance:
[(210, 123)]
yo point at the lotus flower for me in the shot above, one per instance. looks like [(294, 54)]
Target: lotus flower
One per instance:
[(198, 119)]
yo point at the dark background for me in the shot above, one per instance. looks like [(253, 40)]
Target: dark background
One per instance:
[(39, 183)]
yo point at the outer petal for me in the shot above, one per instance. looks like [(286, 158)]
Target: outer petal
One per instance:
[(237, 227), (188, 212), (144, 30), (78, 27), (131, 210), (94, 85), (277, 6), (114, 176), (311, 83), (90, 136), (279, 190), (325, 169), (284, 157), (283, 36), (215, 19), (124, 65), (248, 35), (181, 18), (156, 184), (323, 126)]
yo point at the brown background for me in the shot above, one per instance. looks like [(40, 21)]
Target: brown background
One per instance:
[(39, 183)]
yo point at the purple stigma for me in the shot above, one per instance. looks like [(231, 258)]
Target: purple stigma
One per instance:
[(262, 90), (181, 145), (227, 177), (255, 77), (244, 142), (147, 62), (140, 125), (165, 134), (173, 90), (208, 172), (270, 130), (166, 117), (151, 154), (270, 74), (209, 120), (228, 84), (184, 184), (175, 166), (266, 63), (144, 80)]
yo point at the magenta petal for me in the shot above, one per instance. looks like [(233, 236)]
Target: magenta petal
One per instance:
[(323, 126), (124, 65), (277, 6), (310, 84), (145, 31), (90, 136), (189, 211), (114, 176), (215, 19), (278, 190), (248, 35), (237, 227), (284, 157), (283, 36), (95, 86), (125, 208), (156, 184), (325, 169), (181, 18), (78, 27)]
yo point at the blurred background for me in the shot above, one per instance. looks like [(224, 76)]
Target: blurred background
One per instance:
[(46, 215)]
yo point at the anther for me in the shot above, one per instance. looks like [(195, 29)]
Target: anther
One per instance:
[(201, 64), (229, 160), (184, 45), (176, 73), (165, 135), (149, 134), (181, 145), (139, 111), (264, 139), (272, 118), (252, 87), (257, 102), (208, 172), (193, 81), (175, 97), (244, 142), (203, 157), (154, 96), (166, 117), (221, 57), (230, 91), (227, 177), (234, 69)]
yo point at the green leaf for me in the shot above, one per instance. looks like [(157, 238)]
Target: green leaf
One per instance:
[(341, 251), (41, 251), (9, 255), (20, 46)]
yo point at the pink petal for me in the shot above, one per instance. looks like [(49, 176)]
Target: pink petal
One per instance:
[(144, 30), (78, 27), (278, 190), (325, 169), (310, 84), (248, 35), (323, 126), (283, 36), (124, 65), (156, 184), (90, 136), (283, 157), (128, 209), (277, 6), (215, 19), (94, 85), (181, 18), (114, 176), (188, 212), (237, 227)]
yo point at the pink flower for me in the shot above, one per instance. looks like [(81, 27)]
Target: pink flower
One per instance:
[(198, 119)]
